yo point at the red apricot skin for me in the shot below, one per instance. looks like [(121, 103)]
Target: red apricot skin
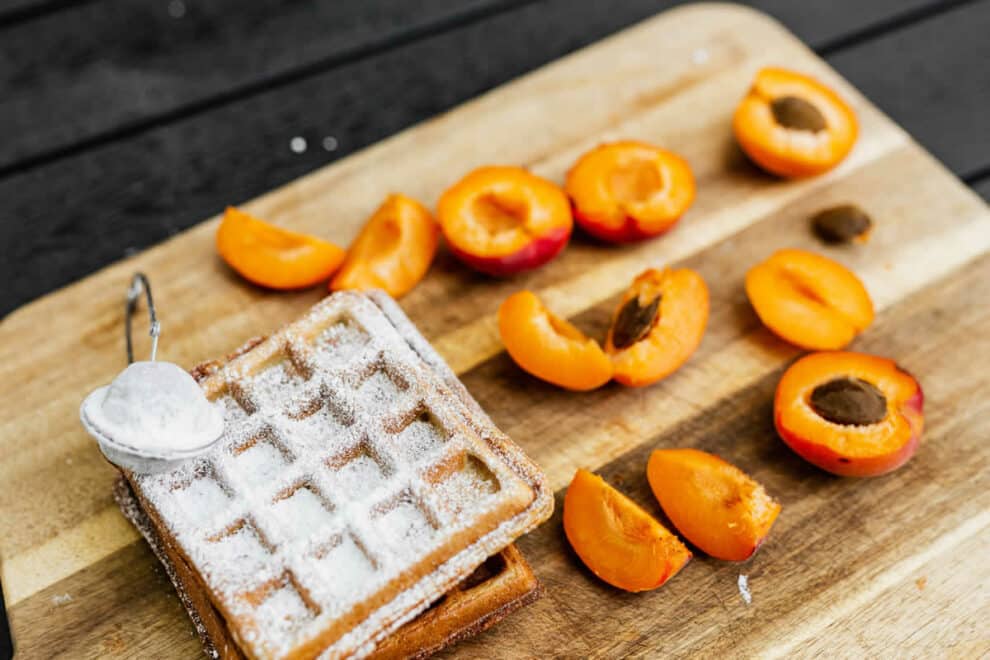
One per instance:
[(536, 253)]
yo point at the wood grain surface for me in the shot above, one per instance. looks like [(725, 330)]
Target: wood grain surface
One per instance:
[(889, 566), (142, 139)]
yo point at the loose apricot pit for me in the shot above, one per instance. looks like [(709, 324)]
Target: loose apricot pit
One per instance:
[(620, 542), (849, 413), (658, 325), (809, 300), (792, 125), (550, 348), (714, 504), (628, 191), (842, 224), (505, 220)]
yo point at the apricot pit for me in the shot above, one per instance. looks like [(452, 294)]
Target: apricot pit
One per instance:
[(842, 224)]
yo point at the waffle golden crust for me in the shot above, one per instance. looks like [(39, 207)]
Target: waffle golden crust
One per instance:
[(498, 587), (357, 482)]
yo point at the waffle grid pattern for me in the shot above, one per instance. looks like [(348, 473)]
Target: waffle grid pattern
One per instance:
[(344, 464)]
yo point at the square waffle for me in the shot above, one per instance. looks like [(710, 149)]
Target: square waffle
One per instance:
[(500, 586), (356, 483)]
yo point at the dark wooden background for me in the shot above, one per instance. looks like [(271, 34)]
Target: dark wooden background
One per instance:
[(123, 122)]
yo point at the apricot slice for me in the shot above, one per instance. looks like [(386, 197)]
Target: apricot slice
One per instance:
[(792, 125), (393, 251), (274, 257), (809, 300), (549, 347), (851, 414), (620, 542), (658, 325), (505, 220), (628, 191), (714, 504)]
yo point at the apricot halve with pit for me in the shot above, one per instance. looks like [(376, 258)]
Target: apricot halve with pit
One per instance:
[(792, 125), (809, 300), (714, 504), (658, 325), (849, 413), (504, 220), (620, 542)]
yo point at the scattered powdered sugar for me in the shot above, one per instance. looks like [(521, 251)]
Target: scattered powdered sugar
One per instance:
[(744, 589), (319, 488), (61, 599)]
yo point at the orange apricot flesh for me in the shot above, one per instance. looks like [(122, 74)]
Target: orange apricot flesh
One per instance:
[(714, 504), (672, 335), (844, 445), (809, 300), (792, 125), (504, 220), (394, 250), (550, 347), (627, 191), (274, 257), (620, 542)]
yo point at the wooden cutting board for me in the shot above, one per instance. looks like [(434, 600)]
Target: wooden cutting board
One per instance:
[(851, 567)]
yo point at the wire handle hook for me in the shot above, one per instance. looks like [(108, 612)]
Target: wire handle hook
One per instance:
[(139, 282)]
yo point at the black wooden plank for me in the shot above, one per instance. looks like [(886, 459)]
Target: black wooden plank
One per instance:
[(138, 62), (65, 219), (135, 64), (932, 78)]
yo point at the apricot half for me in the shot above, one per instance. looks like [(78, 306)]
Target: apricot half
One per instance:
[(851, 414), (714, 504), (274, 257), (393, 251), (549, 347), (809, 300), (620, 542), (792, 125), (627, 191), (658, 325), (505, 220)]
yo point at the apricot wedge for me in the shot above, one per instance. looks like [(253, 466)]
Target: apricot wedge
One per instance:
[(714, 504), (393, 251), (620, 542), (549, 347), (274, 257)]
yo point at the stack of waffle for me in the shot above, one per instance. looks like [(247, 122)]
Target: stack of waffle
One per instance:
[(360, 502)]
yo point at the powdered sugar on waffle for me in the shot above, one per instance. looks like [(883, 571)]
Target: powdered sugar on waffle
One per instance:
[(346, 461)]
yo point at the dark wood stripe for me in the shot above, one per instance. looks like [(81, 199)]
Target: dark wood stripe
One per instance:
[(853, 523)]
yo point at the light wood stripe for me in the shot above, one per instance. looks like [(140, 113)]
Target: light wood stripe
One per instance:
[(71, 550)]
